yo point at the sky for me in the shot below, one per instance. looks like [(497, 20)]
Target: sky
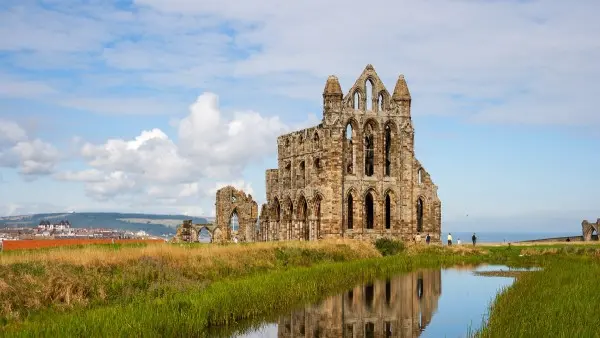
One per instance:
[(152, 105)]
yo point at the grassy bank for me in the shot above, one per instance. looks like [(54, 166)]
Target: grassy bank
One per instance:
[(562, 300), (186, 290), (64, 278), (228, 301)]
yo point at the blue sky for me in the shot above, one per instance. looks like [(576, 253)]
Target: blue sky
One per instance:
[(151, 105)]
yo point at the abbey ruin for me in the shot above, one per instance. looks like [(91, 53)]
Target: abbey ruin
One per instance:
[(355, 175)]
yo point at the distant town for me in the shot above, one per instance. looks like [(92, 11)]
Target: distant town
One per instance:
[(62, 229)]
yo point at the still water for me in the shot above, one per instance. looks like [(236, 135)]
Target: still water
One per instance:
[(425, 303)]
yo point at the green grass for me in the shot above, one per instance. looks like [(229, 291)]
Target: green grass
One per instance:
[(228, 301), (562, 300), (180, 294)]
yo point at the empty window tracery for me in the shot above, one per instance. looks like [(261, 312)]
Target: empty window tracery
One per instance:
[(350, 212), (234, 223), (388, 150), (369, 151), (369, 211), (388, 212), (356, 100), (419, 214), (369, 94), (349, 151)]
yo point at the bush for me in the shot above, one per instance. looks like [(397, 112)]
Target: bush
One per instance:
[(389, 247)]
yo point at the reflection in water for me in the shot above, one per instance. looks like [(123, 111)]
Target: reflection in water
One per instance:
[(398, 307)]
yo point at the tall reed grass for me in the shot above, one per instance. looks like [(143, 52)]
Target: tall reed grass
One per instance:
[(62, 278)]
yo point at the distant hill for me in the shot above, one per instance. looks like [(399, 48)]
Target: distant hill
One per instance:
[(157, 225)]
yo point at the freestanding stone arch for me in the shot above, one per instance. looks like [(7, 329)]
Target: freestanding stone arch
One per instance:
[(235, 203)]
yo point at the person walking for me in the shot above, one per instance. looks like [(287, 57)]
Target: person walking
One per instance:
[(474, 238), (449, 239), (427, 239)]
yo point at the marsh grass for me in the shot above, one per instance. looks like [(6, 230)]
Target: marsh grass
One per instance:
[(189, 290), (63, 278), (229, 301), (562, 300)]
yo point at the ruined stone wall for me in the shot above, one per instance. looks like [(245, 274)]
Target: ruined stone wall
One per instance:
[(320, 167), (231, 201), (400, 307)]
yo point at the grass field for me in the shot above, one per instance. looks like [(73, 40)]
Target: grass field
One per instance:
[(166, 290)]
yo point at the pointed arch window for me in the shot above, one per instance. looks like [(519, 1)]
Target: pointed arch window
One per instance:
[(388, 150), (234, 223), (388, 212), (349, 151), (369, 151), (380, 103), (350, 212), (419, 214), (369, 94), (369, 211), (356, 100)]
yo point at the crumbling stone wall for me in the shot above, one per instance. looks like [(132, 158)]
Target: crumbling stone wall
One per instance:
[(355, 175), (588, 229), (230, 202), (189, 232)]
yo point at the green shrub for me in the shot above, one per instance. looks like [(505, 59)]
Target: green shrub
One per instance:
[(389, 247)]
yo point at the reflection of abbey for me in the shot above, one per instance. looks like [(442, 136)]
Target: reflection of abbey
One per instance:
[(355, 175), (400, 307)]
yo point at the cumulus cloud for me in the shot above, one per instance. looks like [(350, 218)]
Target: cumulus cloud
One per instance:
[(32, 157), (153, 167)]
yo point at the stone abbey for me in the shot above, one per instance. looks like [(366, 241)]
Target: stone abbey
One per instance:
[(355, 175)]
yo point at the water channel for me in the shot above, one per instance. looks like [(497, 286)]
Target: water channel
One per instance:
[(425, 303)]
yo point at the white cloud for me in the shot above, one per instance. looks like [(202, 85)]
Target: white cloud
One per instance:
[(32, 157), (152, 167)]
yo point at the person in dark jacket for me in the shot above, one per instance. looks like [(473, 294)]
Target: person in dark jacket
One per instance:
[(474, 238), (427, 239)]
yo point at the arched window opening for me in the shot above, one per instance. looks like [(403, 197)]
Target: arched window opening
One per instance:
[(419, 215), (305, 229), (290, 217), (420, 176), (318, 215), (370, 211), (301, 175), (380, 103), (287, 176), (287, 142), (388, 212), (317, 164), (369, 94), (356, 100), (204, 236), (420, 287), (316, 141), (388, 150), (349, 151), (369, 151), (234, 223), (277, 211), (350, 212)]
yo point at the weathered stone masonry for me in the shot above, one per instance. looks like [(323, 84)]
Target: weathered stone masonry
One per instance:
[(355, 175)]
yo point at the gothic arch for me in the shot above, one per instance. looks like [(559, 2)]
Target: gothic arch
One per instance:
[(369, 209), (369, 91), (389, 209), (276, 210), (318, 213), (350, 208), (421, 210), (390, 149), (382, 101), (370, 146), (302, 214), (356, 99)]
